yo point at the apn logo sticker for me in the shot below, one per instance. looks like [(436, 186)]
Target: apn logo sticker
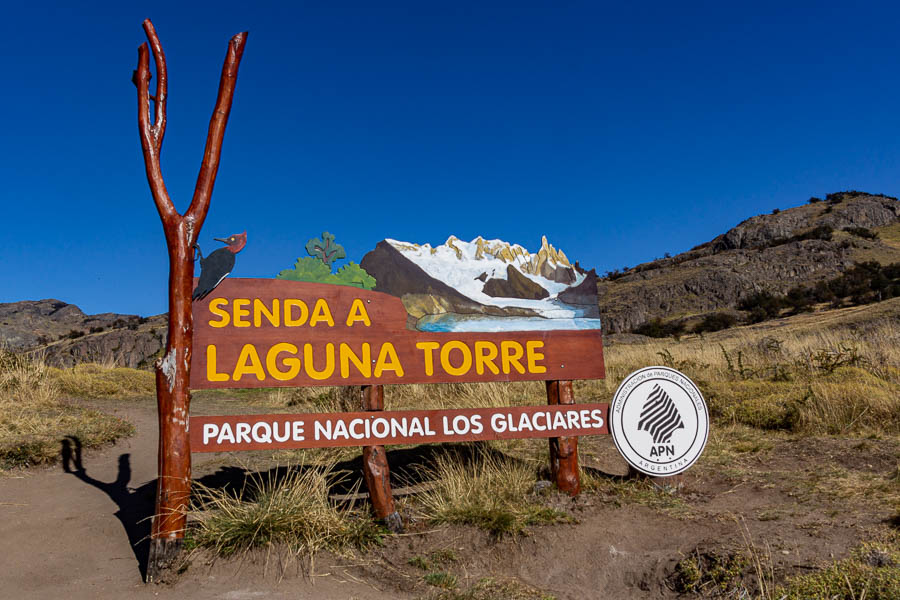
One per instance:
[(659, 421)]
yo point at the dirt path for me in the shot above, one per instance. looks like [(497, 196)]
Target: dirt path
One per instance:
[(68, 535)]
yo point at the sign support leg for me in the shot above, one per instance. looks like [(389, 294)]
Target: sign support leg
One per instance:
[(375, 467), (563, 450)]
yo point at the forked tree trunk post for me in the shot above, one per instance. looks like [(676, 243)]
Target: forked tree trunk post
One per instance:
[(563, 450), (173, 369), (375, 467)]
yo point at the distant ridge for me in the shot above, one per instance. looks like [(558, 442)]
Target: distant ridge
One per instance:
[(64, 335), (772, 252)]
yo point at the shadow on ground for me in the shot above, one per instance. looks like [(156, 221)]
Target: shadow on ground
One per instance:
[(135, 504), (408, 467)]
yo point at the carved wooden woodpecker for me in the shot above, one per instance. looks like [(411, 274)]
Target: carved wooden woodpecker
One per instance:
[(216, 267)]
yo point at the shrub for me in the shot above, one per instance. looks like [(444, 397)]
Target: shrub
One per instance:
[(715, 322), (656, 328), (762, 306), (862, 232), (863, 283), (814, 200), (837, 197)]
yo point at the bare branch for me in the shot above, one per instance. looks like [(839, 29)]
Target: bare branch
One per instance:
[(162, 83), (210, 166), (149, 141)]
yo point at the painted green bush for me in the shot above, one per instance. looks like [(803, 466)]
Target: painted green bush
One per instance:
[(317, 267), (325, 249)]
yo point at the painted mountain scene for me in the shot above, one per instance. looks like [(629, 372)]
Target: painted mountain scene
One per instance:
[(485, 285)]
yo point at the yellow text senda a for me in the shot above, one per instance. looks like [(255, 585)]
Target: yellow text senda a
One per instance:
[(283, 312)]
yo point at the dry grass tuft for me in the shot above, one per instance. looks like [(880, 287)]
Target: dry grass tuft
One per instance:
[(492, 492), (293, 512)]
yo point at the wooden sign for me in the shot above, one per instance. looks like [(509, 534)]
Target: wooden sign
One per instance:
[(266, 432), (278, 333)]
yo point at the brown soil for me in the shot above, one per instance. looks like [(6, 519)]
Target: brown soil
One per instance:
[(799, 501)]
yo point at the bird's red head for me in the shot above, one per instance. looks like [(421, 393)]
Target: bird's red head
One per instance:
[(235, 242)]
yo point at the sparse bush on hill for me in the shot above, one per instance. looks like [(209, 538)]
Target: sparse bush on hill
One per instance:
[(761, 306), (715, 322), (863, 283), (657, 328), (862, 232), (814, 200)]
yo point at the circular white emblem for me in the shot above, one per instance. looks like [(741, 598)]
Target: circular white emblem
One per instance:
[(659, 422)]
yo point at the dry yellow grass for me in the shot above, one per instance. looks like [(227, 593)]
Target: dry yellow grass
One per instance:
[(93, 380), (34, 418), (817, 376)]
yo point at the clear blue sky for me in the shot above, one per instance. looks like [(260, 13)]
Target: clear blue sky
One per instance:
[(621, 132)]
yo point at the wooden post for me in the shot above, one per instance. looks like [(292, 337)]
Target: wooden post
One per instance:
[(375, 467), (563, 450), (173, 369)]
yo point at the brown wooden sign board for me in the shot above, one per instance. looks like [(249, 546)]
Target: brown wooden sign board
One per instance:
[(324, 430), (272, 333)]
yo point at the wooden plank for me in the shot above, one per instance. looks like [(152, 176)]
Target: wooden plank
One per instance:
[(305, 430)]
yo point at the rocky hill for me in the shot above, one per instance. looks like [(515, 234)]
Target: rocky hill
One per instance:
[(773, 252), (64, 335)]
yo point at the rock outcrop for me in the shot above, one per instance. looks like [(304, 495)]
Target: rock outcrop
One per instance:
[(63, 335)]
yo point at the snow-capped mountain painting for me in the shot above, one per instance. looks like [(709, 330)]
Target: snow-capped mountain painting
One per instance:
[(485, 285)]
